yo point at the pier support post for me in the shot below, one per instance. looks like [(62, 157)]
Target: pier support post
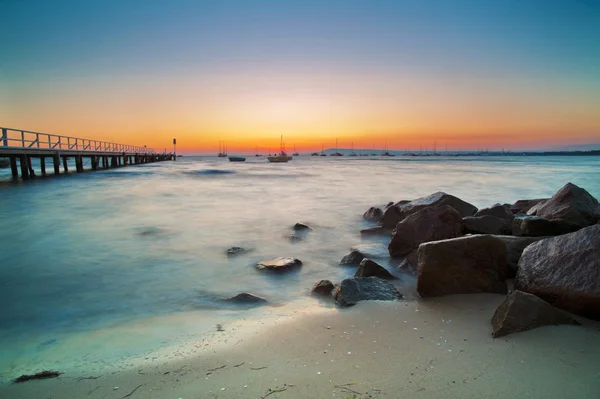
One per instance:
[(65, 165), (30, 167), (113, 162), (24, 167), (94, 160), (79, 163), (13, 167), (43, 165), (56, 161)]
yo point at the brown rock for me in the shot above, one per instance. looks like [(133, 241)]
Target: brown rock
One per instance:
[(368, 268), (374, 214), (246, 298), (487, 225), (279, 264), (565, 271), (462, 266), (322, 288), (499, 211), (429, 224), (410, 264), (515, 247), (572, 204), (352, 290), (522, 311), (522, 206), (301, 227), (352, 259), (535, 226)]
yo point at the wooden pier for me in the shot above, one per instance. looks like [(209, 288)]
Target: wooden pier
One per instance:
[(20, 146)]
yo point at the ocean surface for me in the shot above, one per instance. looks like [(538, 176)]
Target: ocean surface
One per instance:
[(96, 267)]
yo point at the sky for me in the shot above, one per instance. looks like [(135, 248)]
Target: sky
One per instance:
[(404, 74)]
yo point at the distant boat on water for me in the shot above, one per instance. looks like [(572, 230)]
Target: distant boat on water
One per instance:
[(336, 153), (282, 156), (237, 159), (222, 150), (353, 154), (295, 152)]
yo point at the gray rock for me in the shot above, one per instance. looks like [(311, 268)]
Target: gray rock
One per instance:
[(301, 227), (535, 226), (294, 238), (515, 247), (322, 288), (462, 265), (372, 250), (487, 224), (523, 206), (353, 290), (368, 268), (522, 311), (352, 259), (429, 224), (246, 298), (572, 204), (565, 271), (497, 210), (279, 264), (374, 214), (235, 251)]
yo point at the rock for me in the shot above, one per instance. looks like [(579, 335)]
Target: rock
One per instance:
[(374, 214), (245, 298), (535, 226), (395, 214), (294, 238), (410, 264), (572, 204), (368, 268), (353, 259), (376, 231), (565, 271), (499, 211), (372, 250), (279, 264), (392, 203), (353, 290), (533, 210), (522, 206), (429, 224), (234, 251), (462, 266), (515, 247), (301, 227), (522, 311), (486, 225), (322, 288)]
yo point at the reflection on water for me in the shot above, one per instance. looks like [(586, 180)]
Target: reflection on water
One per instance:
[(86, 251)]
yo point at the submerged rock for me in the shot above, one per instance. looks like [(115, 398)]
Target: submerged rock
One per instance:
[(535, 226), (234, 251), (372, 250), (246, 298), (487, 224), (376, 231), (572, 204), (301, 227), (368, 268), (565, 271), (294, 238), (462, 265), (352, 259), (322, 288), (352, 290), (522, 311), (279, 264), (374, 214), (429, 224)]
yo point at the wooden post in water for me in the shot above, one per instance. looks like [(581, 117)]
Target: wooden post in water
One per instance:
[(113, 162), (56, 161), (24, 167), (79, 163), (65, 165), (30, 167), (94, 160), (43, 165), (13, 167)]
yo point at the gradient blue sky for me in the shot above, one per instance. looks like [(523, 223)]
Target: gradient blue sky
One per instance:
[(508, 73)]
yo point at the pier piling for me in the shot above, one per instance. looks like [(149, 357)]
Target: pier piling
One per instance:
[(43, 165), (13, 167)]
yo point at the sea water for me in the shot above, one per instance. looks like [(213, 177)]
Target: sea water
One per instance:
[(97, 267)]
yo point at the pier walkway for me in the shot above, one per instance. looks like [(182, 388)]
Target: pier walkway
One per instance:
[(20, 146)]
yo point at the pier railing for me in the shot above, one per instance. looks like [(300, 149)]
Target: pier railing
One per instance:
[(24, 139)]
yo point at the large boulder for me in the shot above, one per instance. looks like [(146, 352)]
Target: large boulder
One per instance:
[(395, 214), (535, 226), (487, 224), (368, 268), (462, 266), (352, 290), (322, 288), (565, 271), (515, 247), (523, 206), (374, 214), (498, 210), (572, 204), (429, 224), (279, 264), (245, 298), (522, 311)]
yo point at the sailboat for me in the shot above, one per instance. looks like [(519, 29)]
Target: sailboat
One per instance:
[(295, 152), (353, 154), (386, 153), (323, 152), (336, 153), (282, 156), (222, 150)]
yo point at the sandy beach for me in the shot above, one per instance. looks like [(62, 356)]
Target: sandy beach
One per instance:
[(438, 348)]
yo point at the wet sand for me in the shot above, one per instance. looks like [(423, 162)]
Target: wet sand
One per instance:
[(439, 348)]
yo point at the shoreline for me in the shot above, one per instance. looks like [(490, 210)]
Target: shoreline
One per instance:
[(420, 348)]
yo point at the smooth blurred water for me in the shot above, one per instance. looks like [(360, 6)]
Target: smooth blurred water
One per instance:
[(88, 251)]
